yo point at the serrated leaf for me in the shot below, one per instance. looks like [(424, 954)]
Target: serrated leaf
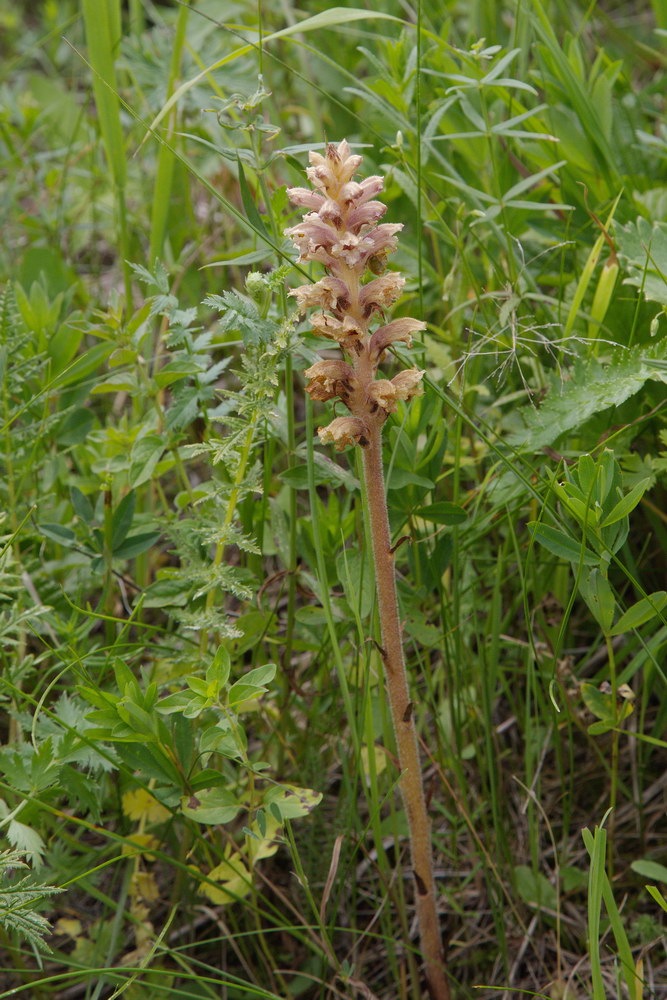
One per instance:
[(27, 841), (591, 387)]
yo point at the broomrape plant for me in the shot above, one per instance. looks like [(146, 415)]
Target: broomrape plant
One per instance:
[(341, 231)]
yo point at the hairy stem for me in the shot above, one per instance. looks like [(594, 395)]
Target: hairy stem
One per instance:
[(403, 721)]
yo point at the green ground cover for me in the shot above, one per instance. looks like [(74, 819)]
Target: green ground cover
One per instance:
[(198, 775)]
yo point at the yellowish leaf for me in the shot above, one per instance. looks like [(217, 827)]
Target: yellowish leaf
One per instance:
[(143, 886), (138, 804), (146, 840), (379, 756), (69, 926), (263, 846), (234, 879)]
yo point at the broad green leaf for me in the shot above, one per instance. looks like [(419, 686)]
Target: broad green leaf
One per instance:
[(176, 370), (400, 478), (58, 533), (356, 576), (598, 702), (534, 888), (259, 675), (641, 612)]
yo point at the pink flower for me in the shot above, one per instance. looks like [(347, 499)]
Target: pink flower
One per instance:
[(329, 292), (381, 292), (305, 198)]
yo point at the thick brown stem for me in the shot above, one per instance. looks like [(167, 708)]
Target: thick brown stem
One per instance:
[(403, 720)]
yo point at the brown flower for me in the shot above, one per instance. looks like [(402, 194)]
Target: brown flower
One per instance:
[(329, 379), (408, 383), (398, 330), (343, 432)]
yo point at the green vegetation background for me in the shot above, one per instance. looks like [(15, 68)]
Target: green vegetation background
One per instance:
[(197, 780)]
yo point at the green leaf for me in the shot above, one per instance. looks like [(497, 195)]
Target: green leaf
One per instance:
[(650, 869), (626, 504), (145, 455), (561, 545), (211, 806), (641, 612), (219, 669), (134, 545), (58, 533), (400, 478), (122, 520), (249, 202), (534, 888), (599, 597), (642, 248), (590, 387), (442, 512), (598, 702), (81, 504), (260, 675), (656, 895), (356, 576), (27, 841), (176, 370)]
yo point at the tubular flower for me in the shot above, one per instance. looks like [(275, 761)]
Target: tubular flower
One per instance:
[(344, 431), (342, 231)]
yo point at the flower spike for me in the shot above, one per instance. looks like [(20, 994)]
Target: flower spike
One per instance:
[(341, 230)]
